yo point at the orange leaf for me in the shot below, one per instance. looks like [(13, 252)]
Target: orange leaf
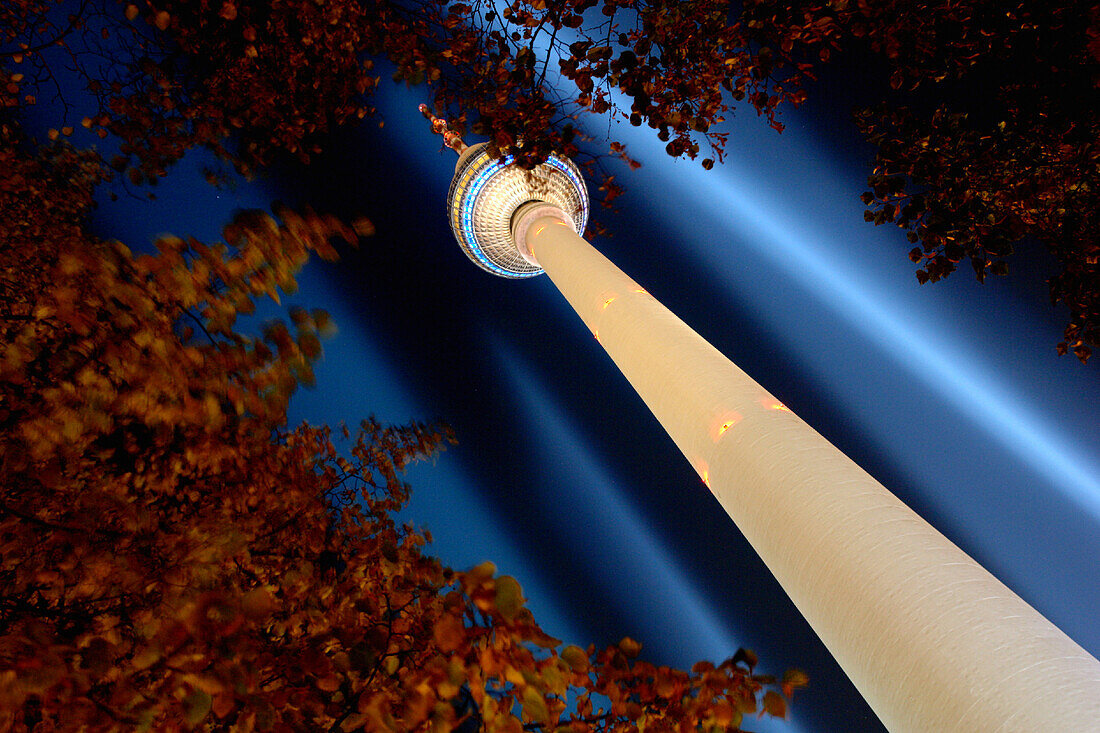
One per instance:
[(224, 704), (629, 647), (449, 632), (575, 657), (509, 597), (257, 603), (774, 704)]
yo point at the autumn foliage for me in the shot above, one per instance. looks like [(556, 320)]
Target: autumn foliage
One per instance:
[(991, 141), (985, 133), (278, 75), (173, 557)]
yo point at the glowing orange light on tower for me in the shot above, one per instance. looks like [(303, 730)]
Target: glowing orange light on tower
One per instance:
[(703, 470), (609, 301), (770, 403), (723, 423)]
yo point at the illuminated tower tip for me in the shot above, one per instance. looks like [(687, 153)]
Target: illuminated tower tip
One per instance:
[(440, 127)]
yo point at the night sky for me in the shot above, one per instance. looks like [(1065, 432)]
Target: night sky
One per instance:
[(950, 394)]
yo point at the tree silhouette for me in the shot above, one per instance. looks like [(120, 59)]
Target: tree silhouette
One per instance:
[(986, 141), (172, 556), (990, 141), (277, 76)]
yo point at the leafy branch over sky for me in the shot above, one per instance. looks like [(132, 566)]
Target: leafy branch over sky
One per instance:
[(985, 130)]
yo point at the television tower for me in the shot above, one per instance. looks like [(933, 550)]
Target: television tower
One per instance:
[(931, 639)]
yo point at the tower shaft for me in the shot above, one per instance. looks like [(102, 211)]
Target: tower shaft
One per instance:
[(930, 638)]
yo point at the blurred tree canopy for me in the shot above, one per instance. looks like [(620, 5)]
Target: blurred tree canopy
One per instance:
[(173, 557)]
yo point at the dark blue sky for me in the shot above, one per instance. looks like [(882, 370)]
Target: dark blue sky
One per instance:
[(950, 394)]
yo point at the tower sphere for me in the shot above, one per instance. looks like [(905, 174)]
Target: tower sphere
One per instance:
[(486, 191)]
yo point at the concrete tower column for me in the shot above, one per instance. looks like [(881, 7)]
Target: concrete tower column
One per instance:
[(931, 639)]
